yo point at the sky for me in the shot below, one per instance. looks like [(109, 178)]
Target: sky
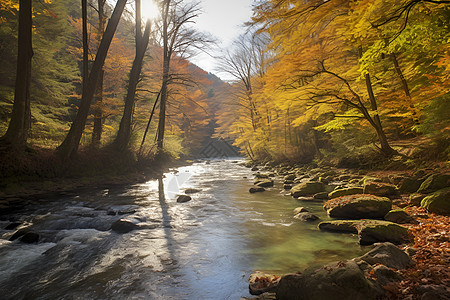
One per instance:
[(224, 20)]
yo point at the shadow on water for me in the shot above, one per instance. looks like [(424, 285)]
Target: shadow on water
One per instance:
[(167, 219)]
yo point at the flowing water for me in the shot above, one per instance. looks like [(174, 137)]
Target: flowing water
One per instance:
[(202, 249)]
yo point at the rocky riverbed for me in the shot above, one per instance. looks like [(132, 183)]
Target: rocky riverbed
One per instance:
[(374, 206)]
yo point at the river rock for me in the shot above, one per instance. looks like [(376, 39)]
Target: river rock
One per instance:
[(256, 189), (380, 189), (385, 275), (287, 186), (342, 280), (264, 182), (290, 177), (30, 238), (123, 226), (184, 198), (374, 231), (387, 254), (399, 216), (345, 191), (307, 188), (254, 169), (350, 226), (306, 217), (358, 207), (301, 209), (438, 202), (12, 225), (321, 196), (260, 283), (192, 191), (434, 182), (411, 184), (261, 175), (416, 198)]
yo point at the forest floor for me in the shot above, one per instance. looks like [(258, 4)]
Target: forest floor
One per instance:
[(431, 270)]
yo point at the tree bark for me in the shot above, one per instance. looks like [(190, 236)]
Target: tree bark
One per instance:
[(385, 147), (148, 123), (70, 145), (17, 134), (165, 79), (123, 136), (98, 112), (85, 45)]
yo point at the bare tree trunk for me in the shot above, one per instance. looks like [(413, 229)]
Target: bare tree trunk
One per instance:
[(123, 136), (165, 79), (98, 111), (17, 134), (70, 145), (385, 147)]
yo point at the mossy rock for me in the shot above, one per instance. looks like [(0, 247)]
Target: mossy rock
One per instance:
[(399, 216), (345, 192), (434, 182), (358, 207), (350, 226), (380, 189), (416, 198), (411, 184), (307, 188), (438, 202), (264, 182), (374, 231)]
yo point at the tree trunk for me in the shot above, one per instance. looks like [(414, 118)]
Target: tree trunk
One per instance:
[(165, 79), (17, 134), (123, 136), (405, 87), (148, 123), (85, 45), (385, 147), (70, 145), (98, 112)]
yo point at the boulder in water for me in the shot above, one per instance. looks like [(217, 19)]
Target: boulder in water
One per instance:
[(183, 198), (264, 182), (358, 207), (256, 189), (192, 191), (307, 188), (300, 210), (350, 226), (374, 231), (306, 217)]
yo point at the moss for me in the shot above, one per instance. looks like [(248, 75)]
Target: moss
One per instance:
[(345, 192), (373, 231), (438, 202)]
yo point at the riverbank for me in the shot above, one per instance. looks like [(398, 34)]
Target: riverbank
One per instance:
[(418, 201), (37, 175)]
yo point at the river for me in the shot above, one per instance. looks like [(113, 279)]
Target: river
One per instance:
[(202, 249)]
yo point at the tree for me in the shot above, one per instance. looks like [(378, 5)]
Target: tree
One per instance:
[(17, 133), (177, 39), (70, 144), (98, 111), (123, 136)]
